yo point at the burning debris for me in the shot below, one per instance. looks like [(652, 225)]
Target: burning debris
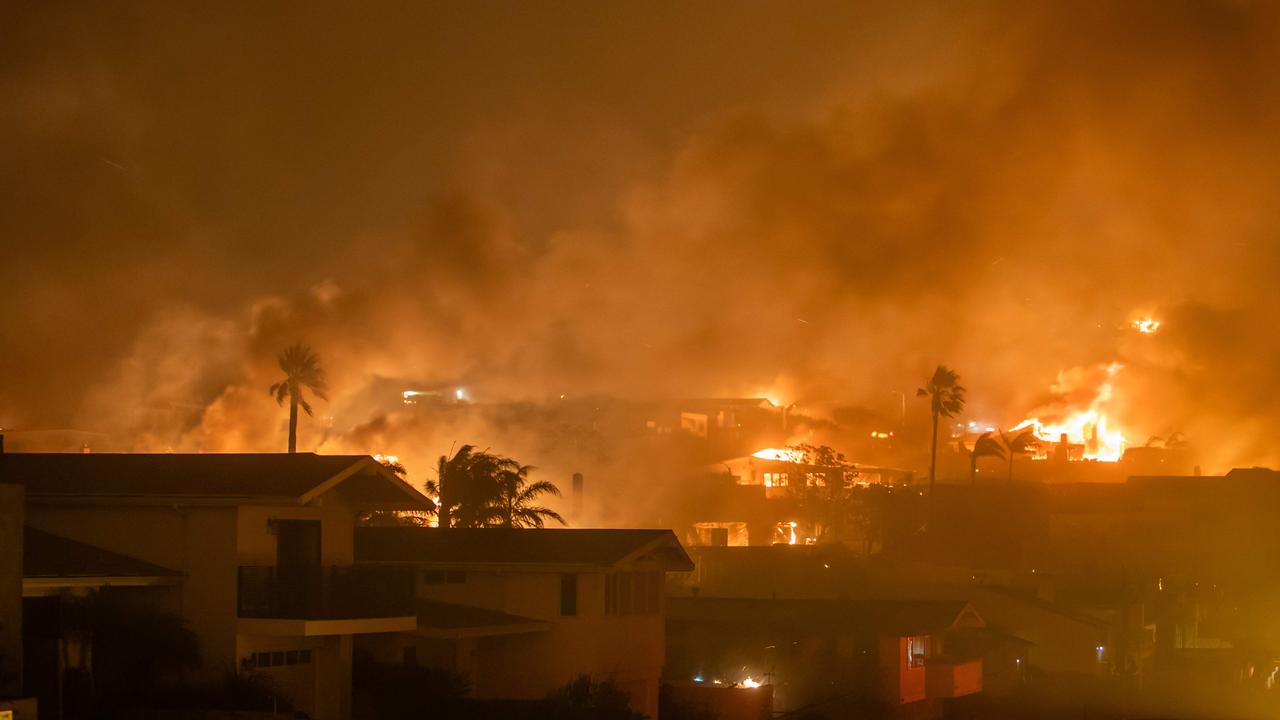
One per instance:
[(1069, 425)]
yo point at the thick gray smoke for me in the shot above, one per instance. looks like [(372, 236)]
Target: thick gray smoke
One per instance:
[(637, 200)]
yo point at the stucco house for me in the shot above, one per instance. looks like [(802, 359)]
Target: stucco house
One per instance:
[(521, 612), (254, 551)]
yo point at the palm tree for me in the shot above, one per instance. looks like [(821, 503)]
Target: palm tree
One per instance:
[(946, 398), (1020, 444), (515, 506), (302, 370), (467, 486), (985, 446)]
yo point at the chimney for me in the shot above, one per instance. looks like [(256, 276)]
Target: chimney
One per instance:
[(577, 494)]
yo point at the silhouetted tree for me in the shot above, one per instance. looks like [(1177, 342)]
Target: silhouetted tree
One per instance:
[(986, 446), (946, 398), (392, 518), (1020, 444), (302, 371), (468, 486), (515, 506)]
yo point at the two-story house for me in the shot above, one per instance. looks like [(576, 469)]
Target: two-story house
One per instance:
[(256, 550), (521, 612)]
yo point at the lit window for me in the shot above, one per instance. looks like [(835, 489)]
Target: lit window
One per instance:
[(917, 651)]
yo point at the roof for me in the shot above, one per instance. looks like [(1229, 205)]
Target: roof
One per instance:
[(227, 477), (1037, 603), (50, 556), (441, 619), (885, 617), (531, 547)]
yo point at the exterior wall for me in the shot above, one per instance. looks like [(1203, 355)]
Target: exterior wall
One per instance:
[(629, 649), (256, 544), (209, 544), (199, 541), (1062, 644), (905, 684), (11, 515)]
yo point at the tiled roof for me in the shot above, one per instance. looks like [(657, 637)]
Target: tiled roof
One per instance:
[(503, 546)]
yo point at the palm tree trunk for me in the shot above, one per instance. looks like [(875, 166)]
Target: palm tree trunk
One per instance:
[(973, 470), (293, 422), (933, 469)]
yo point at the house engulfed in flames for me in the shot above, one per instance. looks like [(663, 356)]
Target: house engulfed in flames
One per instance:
[(773, 495)]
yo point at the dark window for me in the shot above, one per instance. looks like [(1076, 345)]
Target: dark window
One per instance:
[(277, 657), (262, 660), (455, 577), (433, 577), (568, 594), (291, 657), (304, 657)]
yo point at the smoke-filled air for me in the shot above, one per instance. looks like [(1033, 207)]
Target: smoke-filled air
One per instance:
[(1070, 203)]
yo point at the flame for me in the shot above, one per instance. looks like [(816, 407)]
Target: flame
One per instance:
[(787, 530), (1146, 326), (1088, 427), (780, 454), (751, 682)]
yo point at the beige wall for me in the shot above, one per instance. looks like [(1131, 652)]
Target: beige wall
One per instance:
[(629, 649), (257, 545), (10, 590), (198, 541)]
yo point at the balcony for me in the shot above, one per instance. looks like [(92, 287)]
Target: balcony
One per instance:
[(334, 600), (952, 678)]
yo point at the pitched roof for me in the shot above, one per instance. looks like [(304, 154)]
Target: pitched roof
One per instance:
[(548, 547), (888, 617), (50, 556), (227, 477), (441, 619)]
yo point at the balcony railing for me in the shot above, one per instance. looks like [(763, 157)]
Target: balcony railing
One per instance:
[(342, 592)]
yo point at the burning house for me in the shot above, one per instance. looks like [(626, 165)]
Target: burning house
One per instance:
[(799, 495)]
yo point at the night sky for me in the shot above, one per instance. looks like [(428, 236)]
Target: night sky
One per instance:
[(820, 200)]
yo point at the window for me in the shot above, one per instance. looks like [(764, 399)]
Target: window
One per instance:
[(917, 651), (568, 594), (773, 479), (281, 658)]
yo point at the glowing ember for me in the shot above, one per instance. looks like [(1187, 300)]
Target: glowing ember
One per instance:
[(780, 454), (1147, 326), (387, 459)]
